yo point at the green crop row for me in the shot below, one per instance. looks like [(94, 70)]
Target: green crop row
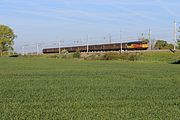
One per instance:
[(45, 88)]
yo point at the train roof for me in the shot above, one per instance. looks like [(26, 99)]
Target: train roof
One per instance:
[(136, 42)]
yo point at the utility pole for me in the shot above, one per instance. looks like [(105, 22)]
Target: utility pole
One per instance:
[(150, 42), (121, 39), (23, 50), (109, 38), (175, 34), (74, 43), (37, 49), (87, 43), (59, 45)]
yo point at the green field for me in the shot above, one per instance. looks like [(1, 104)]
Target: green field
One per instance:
[(44, 88)]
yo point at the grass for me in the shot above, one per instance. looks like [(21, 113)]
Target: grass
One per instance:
[(167, 57), (42, 88)]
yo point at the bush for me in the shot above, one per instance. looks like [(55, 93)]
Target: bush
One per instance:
[(64, 53), (16, 55), (94, 57), (111, 56), (133, 57), (54, 56), (77, 54), (122, 56)]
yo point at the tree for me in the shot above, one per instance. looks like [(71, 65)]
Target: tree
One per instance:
[(144, 40), (169, 46), (178, 43), (7, 37), (160, 44)]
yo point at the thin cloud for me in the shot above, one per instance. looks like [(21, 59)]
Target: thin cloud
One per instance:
[(166, 8), (69, 12), (77, 14)]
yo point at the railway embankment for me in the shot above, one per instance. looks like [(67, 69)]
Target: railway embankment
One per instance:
[(149, 56)]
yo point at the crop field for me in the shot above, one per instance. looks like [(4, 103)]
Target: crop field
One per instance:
[(46, 88)]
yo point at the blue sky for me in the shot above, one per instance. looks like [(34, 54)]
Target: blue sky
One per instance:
[(46, 21)]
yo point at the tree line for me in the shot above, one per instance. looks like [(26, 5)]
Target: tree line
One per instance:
[(162, 44)]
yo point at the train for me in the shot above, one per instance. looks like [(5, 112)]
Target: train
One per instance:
[(136, 45)]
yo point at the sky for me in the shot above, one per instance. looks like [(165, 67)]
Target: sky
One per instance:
[(49, 21)]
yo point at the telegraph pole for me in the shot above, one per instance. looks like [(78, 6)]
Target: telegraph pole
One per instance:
[(37, 49), (23, 50), (175, 34), (110, 38), (59, 45), (121, 39), (87, 43), (150, 42)]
